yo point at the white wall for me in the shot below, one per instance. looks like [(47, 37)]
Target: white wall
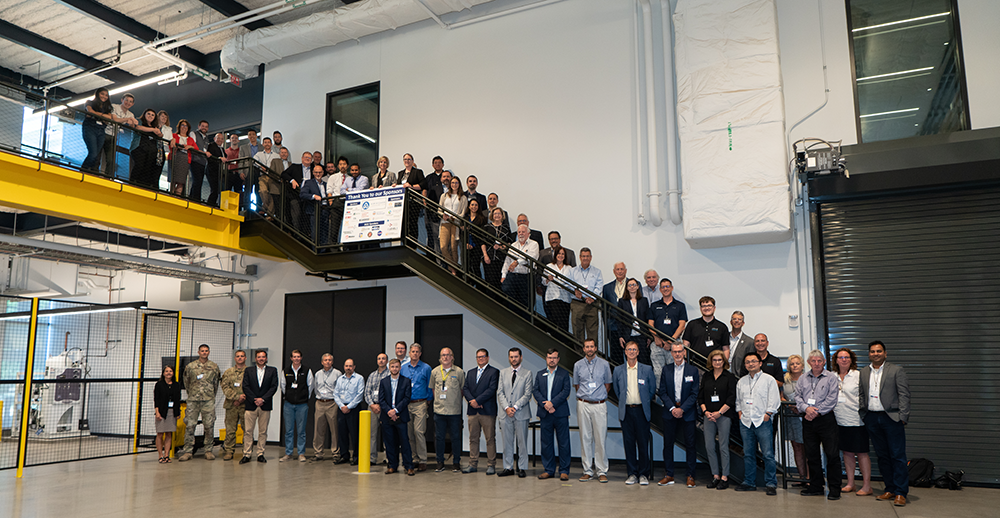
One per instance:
[(980, 44)]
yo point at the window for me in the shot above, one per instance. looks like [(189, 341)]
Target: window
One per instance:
[(908, 68), (352, 126)]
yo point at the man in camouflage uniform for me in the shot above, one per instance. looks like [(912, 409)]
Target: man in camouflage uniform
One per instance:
[(232, 380), (201, 380)]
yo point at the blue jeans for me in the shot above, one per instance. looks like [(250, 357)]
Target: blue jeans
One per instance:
[(295, 419), (764, 436), (889, 441), (93, 137)]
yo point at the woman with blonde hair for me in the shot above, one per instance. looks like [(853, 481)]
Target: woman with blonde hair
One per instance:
[(796, 366)]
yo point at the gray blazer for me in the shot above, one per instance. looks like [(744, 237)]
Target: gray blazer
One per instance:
[(894, 392), (518, 395), (738, 352)]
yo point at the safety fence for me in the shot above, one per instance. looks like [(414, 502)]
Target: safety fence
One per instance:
[(76, 379)]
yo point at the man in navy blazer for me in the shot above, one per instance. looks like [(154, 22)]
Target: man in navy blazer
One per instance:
[(634, 401), (682, 413), (259, 385), (552, 389), (313, 191), (393, 398), (480, 390)]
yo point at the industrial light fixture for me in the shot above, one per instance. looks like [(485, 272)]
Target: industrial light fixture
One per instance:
[(119, 90), (890, 74), (893, 112), (76, 310), (356, 132), (908, 20)]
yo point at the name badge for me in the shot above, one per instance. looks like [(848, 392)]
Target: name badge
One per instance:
[(873, 396), (748, 402), (201, 376), (236, 384), (667, 321), (545, 374), (841, 398), (715, 399), (170, 404), (709, 343), (641, 381), (811, 401), (592, 384), (376, 393), (295, 385), (444, 396), (689, 379)]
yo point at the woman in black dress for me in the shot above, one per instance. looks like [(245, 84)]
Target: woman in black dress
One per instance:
[(167, 403), (473, 252), (495, 250), (146, 172)]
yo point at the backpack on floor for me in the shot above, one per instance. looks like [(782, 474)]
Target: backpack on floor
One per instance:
[(950, 480), (921, 472)]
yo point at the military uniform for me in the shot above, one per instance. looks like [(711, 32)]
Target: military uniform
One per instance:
[(201, 380), (232, 389)]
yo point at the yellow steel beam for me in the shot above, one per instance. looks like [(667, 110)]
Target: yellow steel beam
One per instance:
[(138, 397), (29, 366), (48, 189)]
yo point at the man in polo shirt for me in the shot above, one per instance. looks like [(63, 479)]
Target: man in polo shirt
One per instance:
[(326, 411), (669, 316), (419, 374), (446, 382), (591, 380), (707, 333), (769, 363)]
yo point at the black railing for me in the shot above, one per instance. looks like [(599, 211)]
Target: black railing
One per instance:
[(50, 131)]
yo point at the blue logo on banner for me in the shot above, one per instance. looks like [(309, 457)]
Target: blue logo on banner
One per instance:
[(364, 205)]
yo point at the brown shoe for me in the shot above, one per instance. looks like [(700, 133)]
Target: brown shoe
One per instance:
[(666, 481), (602, 479), (886, 496), (422, 466), (227, 456), (209, 455), (410, 472), (690, 482), (585, 477), (564, 477), (389, 471), (863, 493), (544, 476), (900, 501)]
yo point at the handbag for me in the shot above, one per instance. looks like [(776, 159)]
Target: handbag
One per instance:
[(159, 156)]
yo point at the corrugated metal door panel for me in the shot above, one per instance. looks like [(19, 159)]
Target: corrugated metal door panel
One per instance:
[(922, 274)]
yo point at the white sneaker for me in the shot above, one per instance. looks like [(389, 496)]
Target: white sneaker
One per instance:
[(631, 480), (302, 458), (643, 481)]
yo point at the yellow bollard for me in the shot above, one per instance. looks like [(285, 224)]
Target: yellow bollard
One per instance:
[(364, 441)]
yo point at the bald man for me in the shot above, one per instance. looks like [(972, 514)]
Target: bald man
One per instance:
[(446, 382)]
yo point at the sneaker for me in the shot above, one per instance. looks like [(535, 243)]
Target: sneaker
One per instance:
[(470, 469), (456, 468), (602, 479), (745, 487), (771, 491), (440, 467), (631, 480), (586, 477), (723, 484), (492, 470), (284, 458), (643, 481), (666, 481), (302, 458)]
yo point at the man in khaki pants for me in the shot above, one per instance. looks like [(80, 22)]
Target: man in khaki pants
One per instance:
[(326, 409), (259, 385)]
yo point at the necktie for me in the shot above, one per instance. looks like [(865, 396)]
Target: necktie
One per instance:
[(479, 375), (354, 182), (513, 378)]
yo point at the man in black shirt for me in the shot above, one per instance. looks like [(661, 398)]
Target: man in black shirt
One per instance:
[(705, 334), (769, 363)]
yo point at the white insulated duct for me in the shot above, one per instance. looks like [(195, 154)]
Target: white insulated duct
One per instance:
[(245, 52), (730, 117)]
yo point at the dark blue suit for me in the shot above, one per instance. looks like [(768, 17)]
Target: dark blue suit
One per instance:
[(309, 189), (555, 423), (484, 392), (635, 420), (687, 403), (394, 432)]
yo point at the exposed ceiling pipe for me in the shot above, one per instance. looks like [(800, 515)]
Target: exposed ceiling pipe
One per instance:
[(512, 10), (673, 172), (642, 173), (239, 315), (651, 146)]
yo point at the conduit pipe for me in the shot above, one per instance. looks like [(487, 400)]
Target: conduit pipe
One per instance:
[(239, 315), (643, 176), (651, 141), (673, 171)]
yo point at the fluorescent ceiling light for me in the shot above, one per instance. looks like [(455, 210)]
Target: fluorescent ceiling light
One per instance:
[(908, 20), (890, 113), (915, 70), (356, 132), (120, 89)]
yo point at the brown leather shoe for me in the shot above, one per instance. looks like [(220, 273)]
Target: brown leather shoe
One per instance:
[(389, 471), (886, 496), (564, 477), (900, 501), (602, 479), (422, 466), (410, 472), (585, 477), (690, 482), (666, 481), (544, 476)]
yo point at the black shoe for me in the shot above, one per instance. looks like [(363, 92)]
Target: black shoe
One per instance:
[(521, 473), (261, 459), (506, 473), (745, 487), (456, 468), (244, 460), (714, 483), (833, 496), (340, 461), (771, 491), (723, 484), (440, 467), (810, 492), (354, 462)]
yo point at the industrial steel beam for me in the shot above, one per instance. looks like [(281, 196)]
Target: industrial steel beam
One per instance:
[(232, 8), (9, 31), (131, 27)]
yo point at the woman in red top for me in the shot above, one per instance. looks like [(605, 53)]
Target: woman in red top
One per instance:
[(180, 159)]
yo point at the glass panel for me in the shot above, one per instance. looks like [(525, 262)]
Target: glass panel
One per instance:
[(907, 67), (352, 127)]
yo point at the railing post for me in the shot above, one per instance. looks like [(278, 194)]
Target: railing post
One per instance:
[(45, 127)]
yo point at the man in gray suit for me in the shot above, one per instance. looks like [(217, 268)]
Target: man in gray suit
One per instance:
[(635, 385), (884, 399), (513, 397), (739, 344)]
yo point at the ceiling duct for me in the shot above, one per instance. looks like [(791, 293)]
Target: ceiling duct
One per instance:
[(245, 52)]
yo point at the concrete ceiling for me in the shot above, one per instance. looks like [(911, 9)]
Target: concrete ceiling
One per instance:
[(47, 40)]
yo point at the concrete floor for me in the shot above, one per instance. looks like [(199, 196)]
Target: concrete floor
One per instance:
[(139, 486)]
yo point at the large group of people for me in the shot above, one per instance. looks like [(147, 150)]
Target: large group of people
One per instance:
[(840, 408)]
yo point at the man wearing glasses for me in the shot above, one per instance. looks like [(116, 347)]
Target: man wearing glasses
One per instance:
[(705, 334), (446, 382)]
